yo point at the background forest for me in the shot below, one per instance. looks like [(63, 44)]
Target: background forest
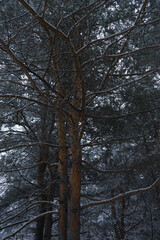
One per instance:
[(80, 119)]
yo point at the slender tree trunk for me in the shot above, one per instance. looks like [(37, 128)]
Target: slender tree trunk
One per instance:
[(48, 218), (48, 226), (63, 178), (50, 196), (75, 187), (123, 206), (73, 230), (43, 156), (63, 154), (42, 197), (115, 219), (76, 126)]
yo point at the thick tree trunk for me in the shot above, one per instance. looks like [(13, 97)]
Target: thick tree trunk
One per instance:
[(69, 223), (76, 126), (74, 201), (73, 231), (63, 155)]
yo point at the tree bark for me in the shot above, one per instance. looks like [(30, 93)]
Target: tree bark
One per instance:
[(62, 169), (123, 206), (48, 218), (76, 126), (47, 235), (73, 232), (63, 179), (42, 197)]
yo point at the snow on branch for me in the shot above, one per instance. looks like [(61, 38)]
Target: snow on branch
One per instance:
[(27, 223), (123, 195)]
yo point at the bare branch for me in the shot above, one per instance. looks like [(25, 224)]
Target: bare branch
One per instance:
[(110, 141), (123, 195), (28, 145), (133, 52), (107, 171), (122, 116), (29, 222), (123, 85), (117, 34)]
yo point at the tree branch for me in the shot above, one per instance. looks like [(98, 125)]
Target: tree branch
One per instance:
[(123, 195), (28, 223)]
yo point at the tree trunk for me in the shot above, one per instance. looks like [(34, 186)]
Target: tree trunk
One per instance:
[(123, 206), (63, 179), (76, 126), (73, 232), (50, 196), (48, 221), (42, 197)]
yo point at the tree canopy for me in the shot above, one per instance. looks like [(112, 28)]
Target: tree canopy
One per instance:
[(79, 101)]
